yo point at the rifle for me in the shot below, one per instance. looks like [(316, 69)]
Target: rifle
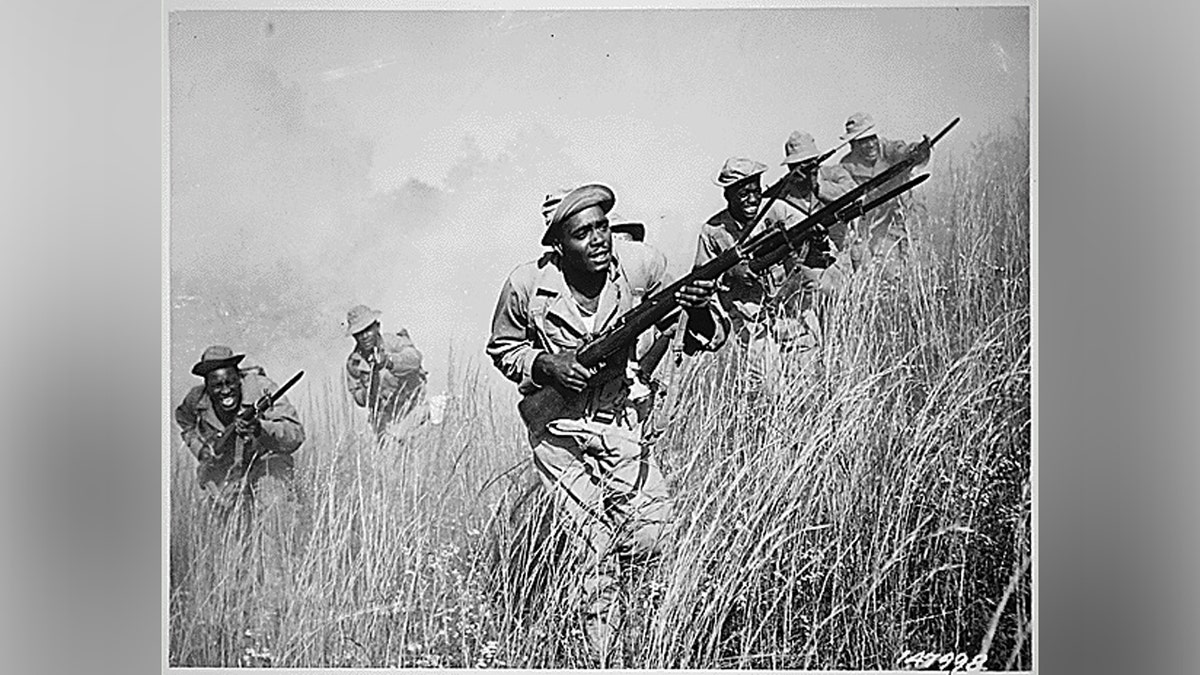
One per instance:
[(249, 413), (761, 251)]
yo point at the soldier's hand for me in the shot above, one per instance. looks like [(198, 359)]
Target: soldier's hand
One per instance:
[(561, 370), (246, 428), (922, 151), (697, 293)]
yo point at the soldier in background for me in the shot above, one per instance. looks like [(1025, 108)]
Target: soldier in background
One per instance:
[(383, 372), (258, 448), (752, 300), (883, 233)]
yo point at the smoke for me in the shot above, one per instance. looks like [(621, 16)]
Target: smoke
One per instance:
[(276, 230)]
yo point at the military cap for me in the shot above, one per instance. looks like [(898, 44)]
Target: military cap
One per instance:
[(636, 230), (738, 169), (799, 147), (214, 358), (565, 203), (359, 318), (859, 125)]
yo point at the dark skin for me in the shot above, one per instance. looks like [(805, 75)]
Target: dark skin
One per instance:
[(584, 245), (369, 341), (224, 388), (869, 149)]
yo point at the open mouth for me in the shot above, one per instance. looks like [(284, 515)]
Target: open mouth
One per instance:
[(228, 402), (599, 257)]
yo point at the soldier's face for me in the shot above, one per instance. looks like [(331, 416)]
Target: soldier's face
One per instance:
[(585, 241), (368, 338), (743, 198), (868, 147), (622, 236), (224, 387)]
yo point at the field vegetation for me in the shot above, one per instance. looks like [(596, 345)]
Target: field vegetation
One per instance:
[(881, 504)]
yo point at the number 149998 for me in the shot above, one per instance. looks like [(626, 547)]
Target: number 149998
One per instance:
[(910, 660)]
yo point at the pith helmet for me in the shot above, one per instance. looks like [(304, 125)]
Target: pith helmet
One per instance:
[(359, 318), (563, 204), (635, 229), (799, 147), (861, 125), (214, 358)]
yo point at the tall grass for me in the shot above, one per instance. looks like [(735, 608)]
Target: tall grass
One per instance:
[(879, 503)]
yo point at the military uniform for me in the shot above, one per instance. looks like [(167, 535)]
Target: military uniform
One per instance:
[(391, 387), (591, 456), (884, 229), (269, 454)]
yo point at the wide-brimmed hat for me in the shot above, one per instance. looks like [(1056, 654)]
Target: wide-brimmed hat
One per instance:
[(635, 229), (738, 169), (859, 125), (215, 357), (359, 318), (799, 147), (563, 204)]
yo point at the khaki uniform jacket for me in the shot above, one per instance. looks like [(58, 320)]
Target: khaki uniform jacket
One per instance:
[(744, 302), (399, 381), (282, 432), (536, 313), (890, 153)]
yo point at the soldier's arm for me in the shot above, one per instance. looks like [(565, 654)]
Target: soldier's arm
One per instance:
[(898, 151), (833, 181), (707, 326), (281, 429), (404, 359), (707, 247), (189, 428), (511, 346), (357, 388)]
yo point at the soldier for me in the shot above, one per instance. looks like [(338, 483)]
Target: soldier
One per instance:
[(884, 229), (383, 372), (627, 230), (258, 448), (590, 456), (752, 301)]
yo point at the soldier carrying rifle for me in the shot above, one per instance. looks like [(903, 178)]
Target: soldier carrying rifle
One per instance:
[(383, 372), (586, 442), (884, 233), (237, 425)]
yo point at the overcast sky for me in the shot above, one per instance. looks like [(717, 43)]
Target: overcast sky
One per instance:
[(320, 159)]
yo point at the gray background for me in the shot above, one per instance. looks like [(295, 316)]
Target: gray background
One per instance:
[(1117, 546)]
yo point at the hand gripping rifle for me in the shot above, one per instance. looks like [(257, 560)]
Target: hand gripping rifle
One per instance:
[(249, 413), (760, 251)]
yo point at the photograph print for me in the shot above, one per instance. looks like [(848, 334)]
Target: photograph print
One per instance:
[(609, 338)]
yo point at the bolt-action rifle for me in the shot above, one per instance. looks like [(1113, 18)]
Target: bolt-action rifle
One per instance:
[(760, 252), (249, 413)]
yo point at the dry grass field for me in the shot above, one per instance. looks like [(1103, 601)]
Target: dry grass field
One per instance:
[(881, 504)]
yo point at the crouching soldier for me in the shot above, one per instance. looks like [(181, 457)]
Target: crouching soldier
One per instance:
[(383, 372), (589, 454), (259, 446)]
